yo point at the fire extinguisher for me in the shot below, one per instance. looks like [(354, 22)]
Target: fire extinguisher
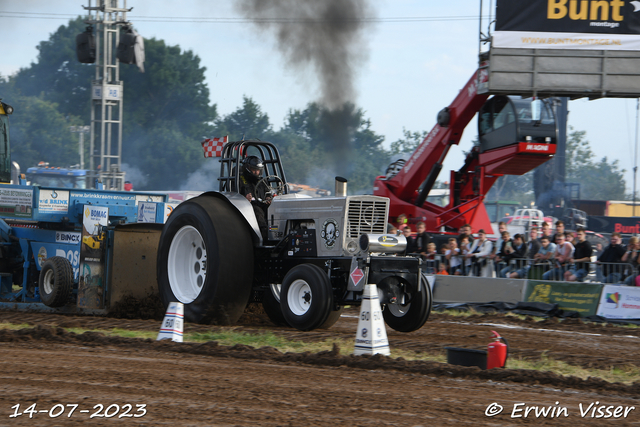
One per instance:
[(497, 352)]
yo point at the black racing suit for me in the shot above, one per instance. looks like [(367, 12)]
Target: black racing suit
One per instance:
[(260, 202)]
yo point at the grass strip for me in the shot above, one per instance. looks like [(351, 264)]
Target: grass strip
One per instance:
[(231, 336)]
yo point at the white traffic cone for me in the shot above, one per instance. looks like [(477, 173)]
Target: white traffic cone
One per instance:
[(371, 337), (171, 328)]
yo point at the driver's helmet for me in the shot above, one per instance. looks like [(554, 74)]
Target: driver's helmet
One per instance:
[(251, 165)]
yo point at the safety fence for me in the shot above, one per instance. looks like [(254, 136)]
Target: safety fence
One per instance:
[(552, 270), (525, 268)]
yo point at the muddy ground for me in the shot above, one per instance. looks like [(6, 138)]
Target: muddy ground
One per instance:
[(208, 384)]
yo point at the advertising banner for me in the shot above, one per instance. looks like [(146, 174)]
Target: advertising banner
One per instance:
[(567, 24), (147, 212), (610, 224), (619, 302), (92, 257), (53, 201), (168, 210), (570, 296), (16, 202)]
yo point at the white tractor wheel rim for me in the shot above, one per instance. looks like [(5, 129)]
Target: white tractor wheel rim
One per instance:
[(48, 282), (187, 264), (299, 297), (398, 310)]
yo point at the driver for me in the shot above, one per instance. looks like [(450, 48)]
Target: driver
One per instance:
[(252, 168)]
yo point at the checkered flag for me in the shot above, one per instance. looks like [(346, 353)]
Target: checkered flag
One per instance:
[(213, 146)]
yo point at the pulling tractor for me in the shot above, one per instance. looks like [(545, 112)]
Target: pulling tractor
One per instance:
[(316, 258)]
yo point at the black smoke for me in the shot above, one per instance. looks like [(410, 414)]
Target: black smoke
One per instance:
[(327, 37)]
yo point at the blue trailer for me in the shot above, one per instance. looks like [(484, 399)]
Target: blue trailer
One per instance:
[(57, 242)]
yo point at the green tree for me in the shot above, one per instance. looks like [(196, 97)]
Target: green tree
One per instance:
[(37, 123), (598, 179), (296, 154), (172, 89), (371, 158), (338, 142), (513, 188), (578, 153), (171, 97), (167, 156), (248, 122), (409, 143), (57, 76)]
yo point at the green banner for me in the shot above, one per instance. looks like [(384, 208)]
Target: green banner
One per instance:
[(570, 296)]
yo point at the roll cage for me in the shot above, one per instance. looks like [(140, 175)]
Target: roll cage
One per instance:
[(233, 154)]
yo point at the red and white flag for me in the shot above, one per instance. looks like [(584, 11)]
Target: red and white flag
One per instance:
[(213, 146)]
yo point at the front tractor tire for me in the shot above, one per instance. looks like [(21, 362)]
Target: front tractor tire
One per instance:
[(411, 316), (55, 281), (306, 297), (205, 261)]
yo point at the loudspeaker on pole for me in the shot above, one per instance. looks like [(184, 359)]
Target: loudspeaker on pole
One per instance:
[(371, 337), (171, 328)]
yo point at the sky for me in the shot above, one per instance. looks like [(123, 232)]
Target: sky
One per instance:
[(413, 68)]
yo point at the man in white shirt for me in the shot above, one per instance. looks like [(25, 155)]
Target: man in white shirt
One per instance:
[(479, 254)]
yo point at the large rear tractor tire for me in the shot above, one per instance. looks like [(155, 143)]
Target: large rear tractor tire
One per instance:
[(205, 261), (306, 297), (411, 316), (55, 281)]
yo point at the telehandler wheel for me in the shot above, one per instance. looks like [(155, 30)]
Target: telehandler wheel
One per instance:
[(55, 281), (306, 297), (205, 261), (411, 316), (271, 305)]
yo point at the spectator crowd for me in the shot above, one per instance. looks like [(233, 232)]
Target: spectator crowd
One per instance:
[(542, 254)]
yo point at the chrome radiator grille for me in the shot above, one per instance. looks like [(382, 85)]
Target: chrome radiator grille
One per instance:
[(366, 216)]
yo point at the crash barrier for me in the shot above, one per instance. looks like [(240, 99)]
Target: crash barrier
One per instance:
[(584, 298), (455, 289)]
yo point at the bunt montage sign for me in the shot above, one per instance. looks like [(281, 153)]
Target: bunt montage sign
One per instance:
[(567, 24)]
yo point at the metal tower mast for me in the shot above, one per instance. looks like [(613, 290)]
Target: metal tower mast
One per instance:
[(106, 94)]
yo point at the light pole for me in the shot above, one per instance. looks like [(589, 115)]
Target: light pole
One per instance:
[(81, 130), (635, 158)]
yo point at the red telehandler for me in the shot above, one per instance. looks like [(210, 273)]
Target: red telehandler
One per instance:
[(515, 136)]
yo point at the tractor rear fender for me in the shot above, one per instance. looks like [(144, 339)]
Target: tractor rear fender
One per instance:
[(244, 208)]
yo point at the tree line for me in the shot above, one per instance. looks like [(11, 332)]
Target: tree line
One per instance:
[(168, 112)]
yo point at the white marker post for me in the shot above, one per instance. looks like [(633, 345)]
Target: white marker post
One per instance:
[(371, 337), (171, 328)]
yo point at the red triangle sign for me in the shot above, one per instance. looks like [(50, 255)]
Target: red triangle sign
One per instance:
[(356, 276)]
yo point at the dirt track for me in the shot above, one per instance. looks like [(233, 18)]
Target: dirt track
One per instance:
[(207, 384)]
